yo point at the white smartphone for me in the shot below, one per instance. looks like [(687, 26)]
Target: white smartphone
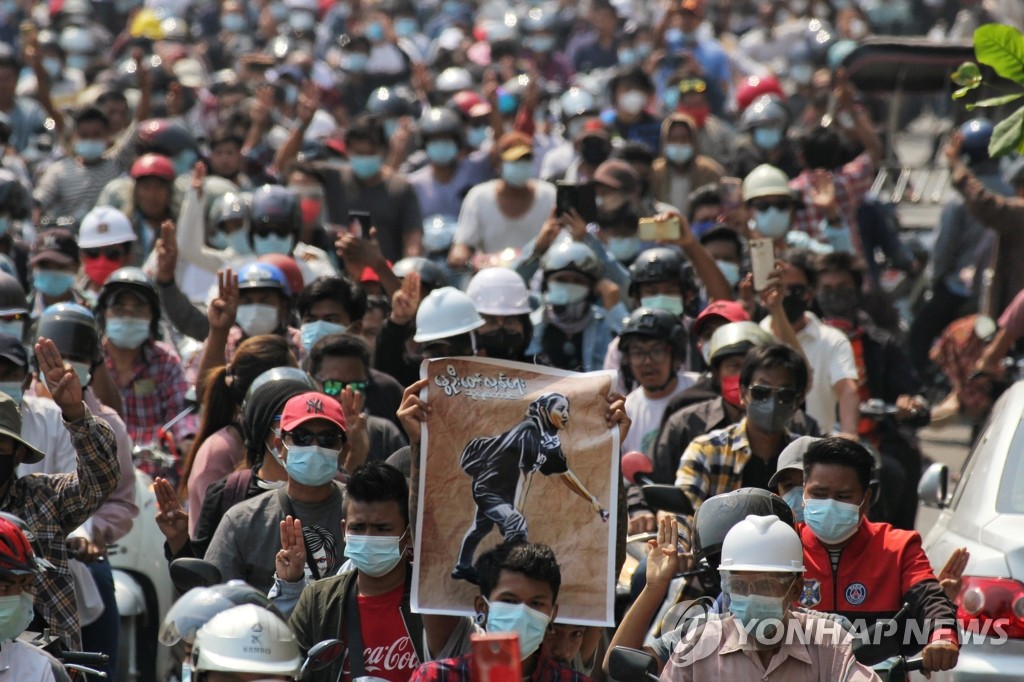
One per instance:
[(762, 261)]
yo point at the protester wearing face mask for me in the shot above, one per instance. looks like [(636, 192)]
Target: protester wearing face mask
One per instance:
[(688, 95), (764, 124), (519, 586), (761, 568), (772, 383), (788, 479), (15, 209), (767, 195), (378, 543), (861, 569), (726, 246), (314, 447), (503, 213), (20, 567), (105, 242), (501, 298), (72, 186), (54, 265), (682, 34), (631, 91), (148, 373), (450, 173), (385, 194), (827, 350), (682, 167), (575, 326)]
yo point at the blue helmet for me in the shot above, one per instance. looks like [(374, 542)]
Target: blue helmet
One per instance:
[(262, 275), (977, 132)]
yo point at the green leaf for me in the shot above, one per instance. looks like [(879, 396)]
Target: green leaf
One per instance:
[(968, 75), (962, 92), (994, 101), (1008, 134), (1002, 48)]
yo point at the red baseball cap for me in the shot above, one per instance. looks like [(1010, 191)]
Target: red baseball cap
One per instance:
[(731, 311), (309, 406)]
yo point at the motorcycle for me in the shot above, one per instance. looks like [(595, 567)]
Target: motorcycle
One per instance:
[(85, 662)]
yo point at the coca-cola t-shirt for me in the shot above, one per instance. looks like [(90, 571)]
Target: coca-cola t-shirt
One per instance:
[(388, 651)]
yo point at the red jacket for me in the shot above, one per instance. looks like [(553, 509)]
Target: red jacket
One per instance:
[(881, 569)]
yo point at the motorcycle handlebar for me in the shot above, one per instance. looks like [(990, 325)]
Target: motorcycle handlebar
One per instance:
[(88, 658)]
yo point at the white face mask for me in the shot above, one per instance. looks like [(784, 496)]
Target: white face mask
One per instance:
[(257, 318), (633, 101)]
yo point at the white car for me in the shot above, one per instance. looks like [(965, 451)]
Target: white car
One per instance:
[(985, 514)]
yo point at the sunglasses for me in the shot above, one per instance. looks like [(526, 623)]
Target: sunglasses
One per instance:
[(279, 230), (765, 204), (332, 440), (785, 396), (334, 388), (796, 290), (109, 253)]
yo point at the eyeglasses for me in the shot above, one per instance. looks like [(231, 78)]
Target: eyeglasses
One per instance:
[(765, 204), (334, 388), (658, 354), (332, 440), (122, 310), (111, 253), (768, 586), (785, 396)]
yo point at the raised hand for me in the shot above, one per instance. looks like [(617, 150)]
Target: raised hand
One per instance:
[(166, 253), (406, 300), (170, 517), (309, 102), (662, 560), (223, 309), (358, 436), (290, 561), (413, 411), (951, 575), (616, 415), (60, 379), (198, 177), (823, 190)]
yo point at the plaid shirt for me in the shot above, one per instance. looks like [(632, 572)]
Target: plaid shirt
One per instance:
[(458, 670), (712, 464), (852, 182), (153, 394), (54, 505)]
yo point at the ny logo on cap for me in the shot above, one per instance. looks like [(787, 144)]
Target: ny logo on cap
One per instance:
[(314, 406), (51, 242)]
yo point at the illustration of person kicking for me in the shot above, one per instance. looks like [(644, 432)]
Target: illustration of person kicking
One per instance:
[(501, 465)]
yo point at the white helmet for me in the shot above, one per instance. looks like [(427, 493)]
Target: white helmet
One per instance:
[(446, 312), (499, 291), (766, 181), (104, 226), (762, 544), (246, 639), (453, 79), (77, 40)]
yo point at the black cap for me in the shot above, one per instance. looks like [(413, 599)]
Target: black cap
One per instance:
[(12, 349)]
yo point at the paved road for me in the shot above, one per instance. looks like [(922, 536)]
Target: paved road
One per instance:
[(949, 446)]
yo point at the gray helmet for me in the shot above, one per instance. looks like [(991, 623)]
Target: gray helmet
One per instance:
[(134, 280), (573, 256), (438, 121), (431, 274), (736, 338), (766, 110), (230, 206), (12, 296), (577, 102)]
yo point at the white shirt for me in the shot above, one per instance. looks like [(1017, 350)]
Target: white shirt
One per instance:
[(646, 414), (831, 358), (25, 663), (483, 227)]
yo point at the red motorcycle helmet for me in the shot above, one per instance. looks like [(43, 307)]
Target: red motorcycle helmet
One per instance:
[(16, 556), (153, 166), (753, 87)]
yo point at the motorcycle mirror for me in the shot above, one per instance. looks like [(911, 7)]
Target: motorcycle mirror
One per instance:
[(933, 486), (188, 573), (323, 654), (667, 498), (632, 665)]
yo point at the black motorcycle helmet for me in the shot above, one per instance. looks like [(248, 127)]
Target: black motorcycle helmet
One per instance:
[(661, 264), (136, 281), (164, 136), (440, 122), (14, 200), (652, 323), (389, 102), (274, 208), (716, 517), (72, 328)]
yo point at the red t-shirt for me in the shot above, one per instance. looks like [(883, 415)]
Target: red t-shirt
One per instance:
[(388, 652)]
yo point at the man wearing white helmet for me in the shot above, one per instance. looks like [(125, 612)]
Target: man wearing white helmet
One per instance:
[(243, 643), (105, 241), (501, 298), (762, 563)]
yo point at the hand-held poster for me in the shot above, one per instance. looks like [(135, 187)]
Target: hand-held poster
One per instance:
[(513, 451)]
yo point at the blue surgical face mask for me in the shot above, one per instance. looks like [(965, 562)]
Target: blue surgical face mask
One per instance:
[(406, 27), (365, 167), (374, 32), (830, 520), (84, 372), (314, 331), (674, 36), (238, 241), (442, 152), (670, 302), (390, 127), (750, 609), (517, 173), (679, 153), (53, 66), (90, 150), (356, 62), (701, 226), (267, 244), (374, 555), (184, 162), (127, 333), (794, 497), (476, 136), (233, 22), (624, 249), (311, 465), (13, 328), (730, 271), (301, 21), (16, 613), (767, 138), (528, 623), (52, 283), (541, 43), (565, 293), (773, 223), (13, 390), (628, 57)]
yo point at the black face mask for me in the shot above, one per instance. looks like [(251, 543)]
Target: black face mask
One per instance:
[(770, 415), (7, 468), (502, 345), (838, 303), (594, 151), (795, 306)]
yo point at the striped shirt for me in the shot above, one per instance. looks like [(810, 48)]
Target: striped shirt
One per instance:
[(69, 188)]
